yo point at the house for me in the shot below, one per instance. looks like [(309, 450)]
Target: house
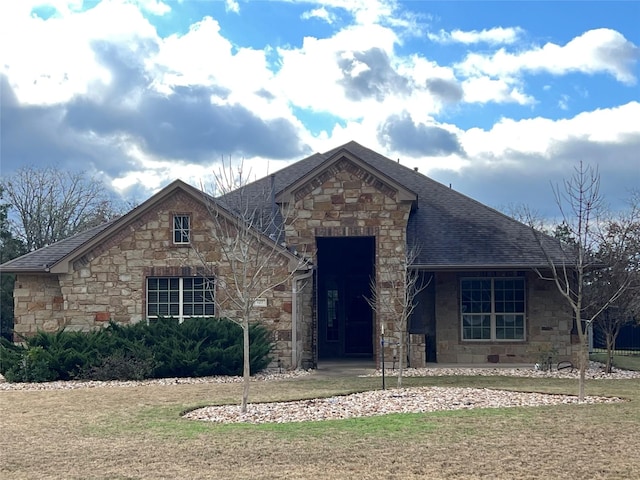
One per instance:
[(352, 215)]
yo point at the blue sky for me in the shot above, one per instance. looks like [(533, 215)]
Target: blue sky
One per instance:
[(499, 99)]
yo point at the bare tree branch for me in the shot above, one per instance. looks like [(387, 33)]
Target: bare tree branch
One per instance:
[(53, 204), (393, 297), (582, 209), (253, 262)]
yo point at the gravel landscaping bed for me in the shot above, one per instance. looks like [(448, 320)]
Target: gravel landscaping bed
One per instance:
[(595, 371), (378, 402), (75, 384), (382, 402)]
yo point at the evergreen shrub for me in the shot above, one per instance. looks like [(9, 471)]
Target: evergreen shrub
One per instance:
[(163, 348)]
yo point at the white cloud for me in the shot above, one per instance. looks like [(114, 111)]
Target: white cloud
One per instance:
[(232, 6), (356, 75), (309, 76), (503, 90), (319, 13), (563, 103), (493, 36), (55, 60), (541, 136), (155, 7), (364, 11), (596, 51)]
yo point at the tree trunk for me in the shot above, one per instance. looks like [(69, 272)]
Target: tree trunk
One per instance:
[(400, 358), (610, 339), (246, 371), (584, 363)]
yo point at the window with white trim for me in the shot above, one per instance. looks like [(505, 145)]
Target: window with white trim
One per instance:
[(179, 297), (181, 229), (493, 309)]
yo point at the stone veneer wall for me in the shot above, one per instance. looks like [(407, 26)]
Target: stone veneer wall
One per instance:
[(548, 326), (109, 282), (347, 201), (306, 324), (38, 304)]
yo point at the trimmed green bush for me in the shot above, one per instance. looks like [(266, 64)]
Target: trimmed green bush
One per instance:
[(164, 348)]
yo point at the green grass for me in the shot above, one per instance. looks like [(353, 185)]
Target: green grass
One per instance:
[(625, 362)]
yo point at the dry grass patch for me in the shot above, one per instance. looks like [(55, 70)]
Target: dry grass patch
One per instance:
[(137, 433)]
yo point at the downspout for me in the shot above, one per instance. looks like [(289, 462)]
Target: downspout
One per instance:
[(294, 317)]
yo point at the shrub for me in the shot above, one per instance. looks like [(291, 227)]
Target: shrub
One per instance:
[(164, 348), (119, 365), (202, 347), (32, 365)]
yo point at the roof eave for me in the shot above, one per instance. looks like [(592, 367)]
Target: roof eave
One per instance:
[(477, 267), (9, 270)]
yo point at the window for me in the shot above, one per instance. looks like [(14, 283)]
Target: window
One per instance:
[(179, 297), (181, 229), (492, 309)]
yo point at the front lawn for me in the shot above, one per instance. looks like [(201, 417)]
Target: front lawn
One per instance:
[(138, 433)]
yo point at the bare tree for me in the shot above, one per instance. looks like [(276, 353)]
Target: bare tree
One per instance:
[(10, 248), (393, 296), (253, 257), (52, 204), (619, 251), (525, 214), (581, 207)]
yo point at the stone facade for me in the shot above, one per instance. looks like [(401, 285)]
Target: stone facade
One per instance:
[(109, 282), (38, 304), (548, 326), (347, 201)]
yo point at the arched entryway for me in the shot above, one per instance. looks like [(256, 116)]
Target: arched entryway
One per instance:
[(345, 319)]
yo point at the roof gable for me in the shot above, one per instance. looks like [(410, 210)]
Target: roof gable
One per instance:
[(57, 257), (341, 160)]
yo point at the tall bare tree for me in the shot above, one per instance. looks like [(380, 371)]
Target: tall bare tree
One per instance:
[(393, 297), (251, 242), (51, 204), (619, 251), (581, 207), (10, 248)]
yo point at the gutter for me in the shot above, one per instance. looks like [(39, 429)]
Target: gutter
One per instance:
[(294, 317), (459, 267)]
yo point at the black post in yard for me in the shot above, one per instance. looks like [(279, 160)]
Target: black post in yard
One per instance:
[(382, 355)]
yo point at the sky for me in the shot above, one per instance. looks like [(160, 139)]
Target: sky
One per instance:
[(500, 100)]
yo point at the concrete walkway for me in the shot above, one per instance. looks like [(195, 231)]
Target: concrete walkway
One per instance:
[(345, 367)]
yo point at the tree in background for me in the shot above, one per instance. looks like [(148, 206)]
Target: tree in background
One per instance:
[(10, 248), (52, 204), (582, 210), (619, 252)]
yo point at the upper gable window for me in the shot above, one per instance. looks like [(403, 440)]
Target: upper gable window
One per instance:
[(181, 229)]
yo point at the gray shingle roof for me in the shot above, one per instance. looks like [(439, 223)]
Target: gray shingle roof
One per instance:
[(450, 229), (40, 260)]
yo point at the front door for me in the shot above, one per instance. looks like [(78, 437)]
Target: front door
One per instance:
[(345, 319)]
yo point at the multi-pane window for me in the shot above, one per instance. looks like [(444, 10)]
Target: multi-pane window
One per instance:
[(492, 308), (179, 297), (181, 229)]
